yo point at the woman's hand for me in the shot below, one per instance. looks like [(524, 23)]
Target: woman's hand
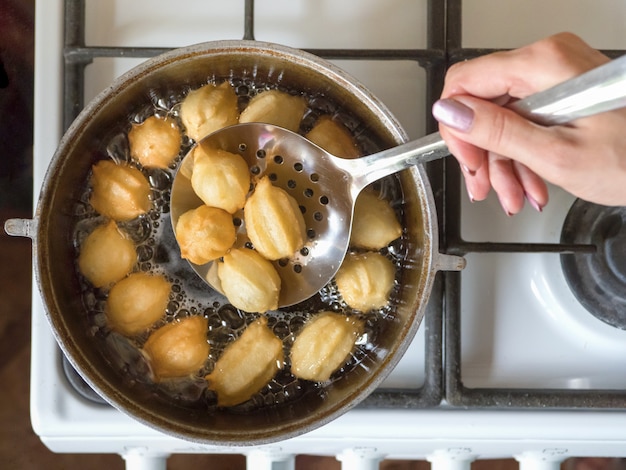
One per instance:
[(498, 148)]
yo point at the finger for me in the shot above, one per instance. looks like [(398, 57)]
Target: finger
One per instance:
[(491, 127), (534, 186), (470, 157), (505, 183), (472, 162), (477, 183)]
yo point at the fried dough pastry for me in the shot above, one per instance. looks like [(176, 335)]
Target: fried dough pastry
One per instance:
[(220, 178), (249, 281), (275, 107), (333, 137), (106, 255), (246, 365), (204, 234), (155, 143), (209, 108), (119, 192), (375, 224), (324, 345), (274, 222), (365, 280), (178, 349), (136, 302)]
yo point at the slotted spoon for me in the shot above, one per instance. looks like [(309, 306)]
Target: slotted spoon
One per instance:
[(326, 187)]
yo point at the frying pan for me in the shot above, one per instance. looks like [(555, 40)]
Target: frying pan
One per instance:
[(97, 131)]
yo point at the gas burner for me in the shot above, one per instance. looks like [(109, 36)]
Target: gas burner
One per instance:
[(598, 280)]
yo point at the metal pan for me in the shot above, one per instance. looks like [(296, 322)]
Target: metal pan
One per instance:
[(54, 243)]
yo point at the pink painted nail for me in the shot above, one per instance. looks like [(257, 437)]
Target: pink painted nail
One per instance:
[(454, 114), (467, 170), (533, 202), (504, 208), (469, 193)]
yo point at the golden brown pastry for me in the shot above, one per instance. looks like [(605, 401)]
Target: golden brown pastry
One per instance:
[(220, 178), (106, 255), (155, 143), (333, 137), (136, 302), (275, 107), (178, 349), (249, 281), (209, 108), (204, 234), (119, 192), (274, 222), (375, 223), (365, 280), (246, 365), (324, 345)]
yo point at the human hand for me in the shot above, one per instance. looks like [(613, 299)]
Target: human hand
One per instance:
[(498, 148)]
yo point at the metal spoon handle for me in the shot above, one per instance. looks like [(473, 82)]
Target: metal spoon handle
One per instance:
[(599, 90)]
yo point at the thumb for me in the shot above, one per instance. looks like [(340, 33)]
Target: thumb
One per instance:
[(491, 127)]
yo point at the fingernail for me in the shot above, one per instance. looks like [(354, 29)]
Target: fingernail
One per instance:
[(469, 193), (454, 114), (467, 170), (533, 202), (504, 208)]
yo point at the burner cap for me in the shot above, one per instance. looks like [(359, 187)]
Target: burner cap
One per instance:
[(598, 280)]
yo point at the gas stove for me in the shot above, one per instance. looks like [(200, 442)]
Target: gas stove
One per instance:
[(508, 361)]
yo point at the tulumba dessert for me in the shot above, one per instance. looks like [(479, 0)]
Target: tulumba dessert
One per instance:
[(228, 324)]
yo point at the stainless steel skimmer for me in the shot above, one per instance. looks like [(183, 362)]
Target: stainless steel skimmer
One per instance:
[(326, 186)]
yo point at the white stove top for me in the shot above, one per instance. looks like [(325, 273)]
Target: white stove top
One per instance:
[(539, 335), (522, 327)]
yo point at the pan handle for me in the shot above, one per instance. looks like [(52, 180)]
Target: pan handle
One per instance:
[(444, 262), (21, 227)]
